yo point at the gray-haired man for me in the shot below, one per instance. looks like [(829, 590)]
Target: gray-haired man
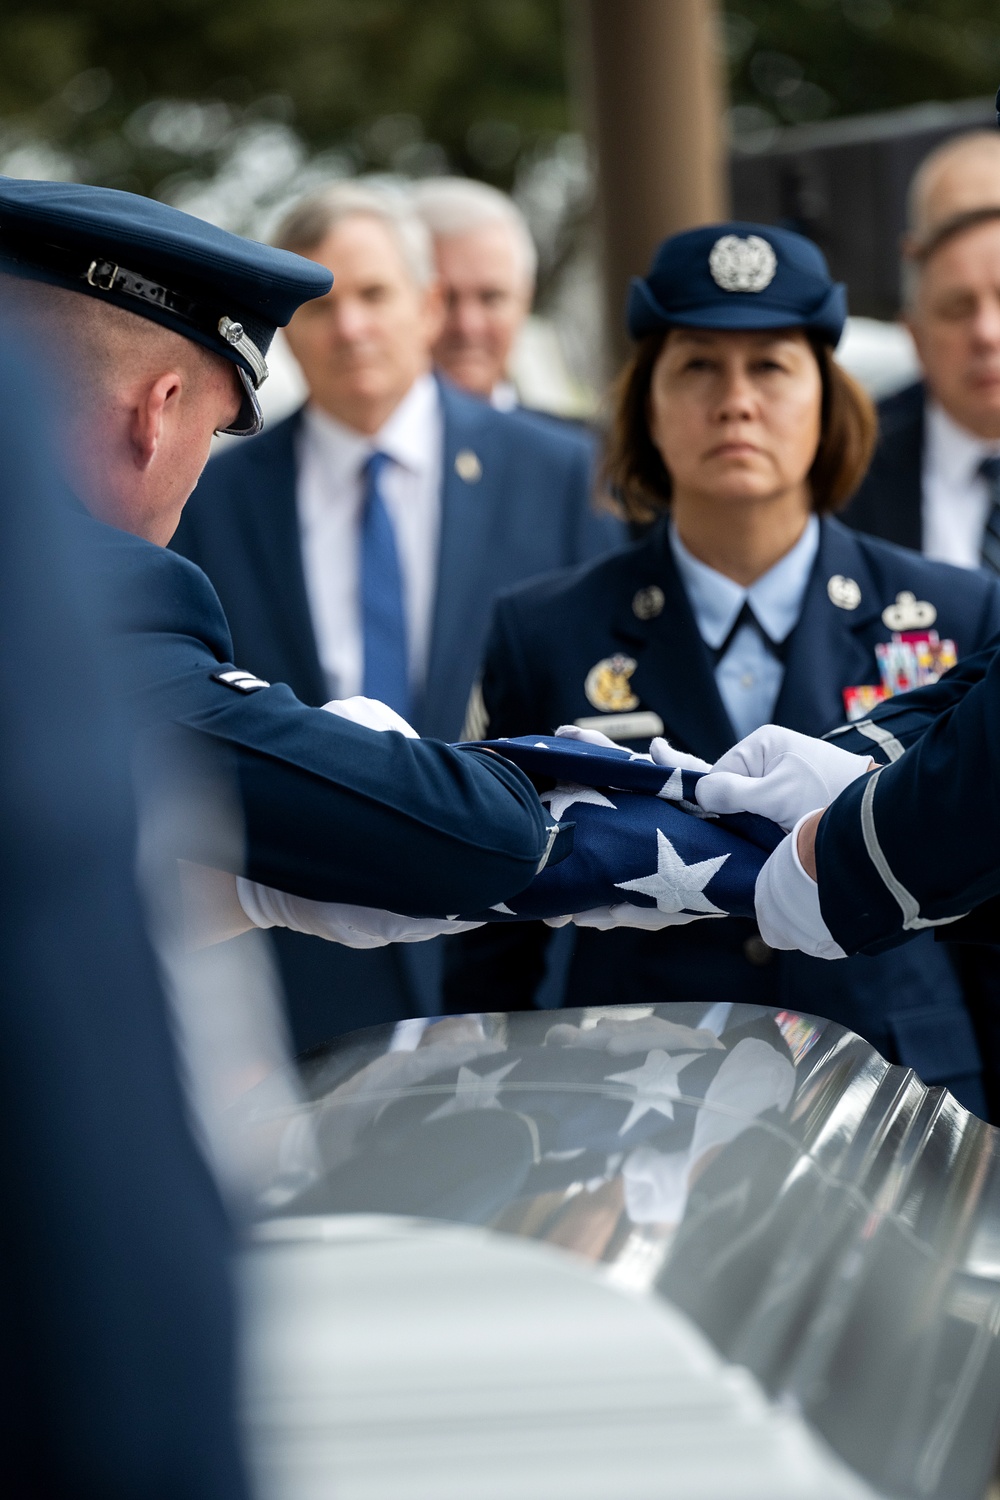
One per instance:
[(358, 546)]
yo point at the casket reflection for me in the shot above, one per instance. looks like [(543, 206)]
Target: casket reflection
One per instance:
[(630, 1250)]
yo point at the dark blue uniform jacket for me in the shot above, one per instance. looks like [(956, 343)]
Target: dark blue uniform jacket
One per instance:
[(544, 640), (332, 810), (525, 510)]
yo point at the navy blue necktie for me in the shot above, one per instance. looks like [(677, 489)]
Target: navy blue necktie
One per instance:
[(383, 615), (990, 550)]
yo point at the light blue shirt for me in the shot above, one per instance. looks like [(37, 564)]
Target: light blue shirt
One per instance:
[(749, 676)]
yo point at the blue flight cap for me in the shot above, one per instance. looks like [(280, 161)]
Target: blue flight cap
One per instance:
[(224, 292), (737, 275)]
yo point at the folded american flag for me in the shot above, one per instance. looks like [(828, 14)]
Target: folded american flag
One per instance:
[(640, 837)]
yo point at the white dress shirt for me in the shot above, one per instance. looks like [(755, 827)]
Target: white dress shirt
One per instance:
[(329, 495), (749, 676), (955, 498)]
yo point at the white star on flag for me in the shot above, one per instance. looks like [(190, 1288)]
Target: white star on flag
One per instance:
[(564, 796), (473, 1091), (673, 788), (655, 1085), (676, 886)]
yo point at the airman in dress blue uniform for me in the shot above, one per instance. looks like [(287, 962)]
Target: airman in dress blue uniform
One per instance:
[(625, 646), (333, 810)]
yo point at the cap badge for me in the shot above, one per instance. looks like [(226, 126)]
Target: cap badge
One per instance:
[(843, 592), (909, 613), (607, 685), (742, 265), (648, 603)]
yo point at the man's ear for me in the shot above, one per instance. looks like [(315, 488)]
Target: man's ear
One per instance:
[(149, 413), (433, 310)]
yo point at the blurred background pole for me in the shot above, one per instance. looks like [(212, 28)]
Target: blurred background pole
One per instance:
[(653, 87)]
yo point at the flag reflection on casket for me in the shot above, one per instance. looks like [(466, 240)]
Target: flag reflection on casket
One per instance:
[(815, 1216)]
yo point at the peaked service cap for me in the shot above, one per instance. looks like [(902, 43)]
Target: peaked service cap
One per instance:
[(737, 275), (227, 293)]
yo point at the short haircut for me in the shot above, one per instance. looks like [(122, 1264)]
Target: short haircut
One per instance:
[(637, 476), (984, 144), (308, 222), (452, 206)]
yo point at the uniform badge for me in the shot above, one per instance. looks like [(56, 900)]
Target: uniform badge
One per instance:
[(608, 687), (843, 592), (240, 682), (648, 603), (467, 466), (909, 613), (742, 265)]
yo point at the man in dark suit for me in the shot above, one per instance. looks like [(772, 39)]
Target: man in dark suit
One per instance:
[(357, 547), (934, 483)]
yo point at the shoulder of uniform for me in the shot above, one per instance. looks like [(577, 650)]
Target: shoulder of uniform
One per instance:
[(585, 586)]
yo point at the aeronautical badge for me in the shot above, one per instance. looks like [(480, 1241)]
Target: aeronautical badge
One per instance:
[(843, 592), (742, 265), (909, 613), (240, 682), (607, 685)]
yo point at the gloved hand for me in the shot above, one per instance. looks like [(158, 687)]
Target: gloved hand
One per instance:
[(787, 903), (353, 926), (370, 713), (780, 774), (661, 753), (625, 915)]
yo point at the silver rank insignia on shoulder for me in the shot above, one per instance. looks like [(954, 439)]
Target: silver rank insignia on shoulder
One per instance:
[(843, 592), (607, 685), (909, 613), (467, 466), (240, 682), (648, 603)]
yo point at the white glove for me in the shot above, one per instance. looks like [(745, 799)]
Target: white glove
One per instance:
[(353, 926), (780, 774), (787, 902), (370, 713), (625, 915), (660, 752)]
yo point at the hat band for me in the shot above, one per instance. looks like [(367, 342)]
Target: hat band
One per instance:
[(106, 275)]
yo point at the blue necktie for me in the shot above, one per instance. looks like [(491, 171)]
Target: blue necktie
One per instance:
[(383, 617), (990, 549)]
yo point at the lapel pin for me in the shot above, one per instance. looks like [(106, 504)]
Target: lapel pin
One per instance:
[(607, 685), (909, 613), (843, 592), (648, 603), (467, 466)]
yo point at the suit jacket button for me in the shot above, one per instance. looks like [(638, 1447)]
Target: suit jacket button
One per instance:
[(757, 952)]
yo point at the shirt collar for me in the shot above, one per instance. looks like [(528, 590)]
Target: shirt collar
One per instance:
[(953, 453), (410, 435), (503, 396), (775, 597)]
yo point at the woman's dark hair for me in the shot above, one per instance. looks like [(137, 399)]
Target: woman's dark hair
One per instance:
[(637, 478)]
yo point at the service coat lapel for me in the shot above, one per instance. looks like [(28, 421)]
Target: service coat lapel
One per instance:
[(674, 675), (467, 505), (274, 549), (827, 651)]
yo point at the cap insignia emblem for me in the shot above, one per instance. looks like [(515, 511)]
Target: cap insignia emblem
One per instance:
[(742, 265), (607, 685), (909, 613), (845, 593)]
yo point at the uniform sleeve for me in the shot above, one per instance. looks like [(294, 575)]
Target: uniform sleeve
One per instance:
[(332, 810), (898, 723), (511, 695), (917, 843)]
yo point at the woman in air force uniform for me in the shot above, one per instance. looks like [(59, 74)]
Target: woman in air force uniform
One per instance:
[(737, 434)]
